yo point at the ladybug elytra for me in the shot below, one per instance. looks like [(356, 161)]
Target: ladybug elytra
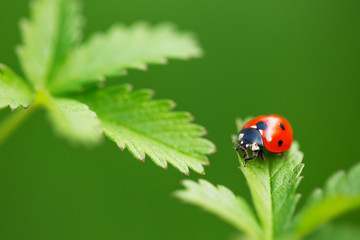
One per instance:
[(272, 132)]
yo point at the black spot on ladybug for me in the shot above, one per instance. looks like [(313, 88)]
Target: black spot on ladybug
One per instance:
[(280, 143), (282, 126), (261, 125)]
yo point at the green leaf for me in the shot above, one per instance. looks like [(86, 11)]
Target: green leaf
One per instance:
[(51, 32), (272, 185), (240, 237), (13, 90), (74, 121), (223, 203), (341, 194), (334, 232), (132, 120), (109, 54)]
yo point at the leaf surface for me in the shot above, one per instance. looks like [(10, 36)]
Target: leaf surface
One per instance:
[(132, 120), (52, 30), (74, 121), (272, 184), (335, 232), (110, 53), (340, 195), (13, 90), (223, 203)]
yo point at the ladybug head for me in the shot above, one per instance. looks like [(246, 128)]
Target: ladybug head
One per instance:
[(250, 138)]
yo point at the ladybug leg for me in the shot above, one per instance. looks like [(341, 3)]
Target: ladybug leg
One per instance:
[(247, 158), (262, 155), (242, 149), (237, 148), (246, 154), (255, 154)]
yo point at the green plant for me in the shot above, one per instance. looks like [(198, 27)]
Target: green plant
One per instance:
[(273, 186), (64, 76)]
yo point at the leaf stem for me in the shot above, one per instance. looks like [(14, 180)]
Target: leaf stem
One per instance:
[(12, 122)]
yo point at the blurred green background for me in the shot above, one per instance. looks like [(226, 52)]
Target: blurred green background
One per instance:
[(299, 59)]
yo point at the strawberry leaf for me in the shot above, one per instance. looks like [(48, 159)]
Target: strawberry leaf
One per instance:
[(111, 53), (223, 203), (74, 121), (132, 120), (341, 194), (14, 92), (51, 32)]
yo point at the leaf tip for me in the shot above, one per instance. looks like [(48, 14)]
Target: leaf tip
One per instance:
[(129, 87), (187, 173), (318, 190), (300, 178), (143, 159), (186, 58), (207, 163), (164, 61), (173, 104), (191, 118), (102, 79), (144, 67), (151, 93), (203, 173), (23, 22)]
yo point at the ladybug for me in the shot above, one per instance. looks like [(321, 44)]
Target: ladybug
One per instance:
[(272, 132)]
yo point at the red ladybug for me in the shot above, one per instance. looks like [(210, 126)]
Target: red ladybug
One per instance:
[(271, 132)]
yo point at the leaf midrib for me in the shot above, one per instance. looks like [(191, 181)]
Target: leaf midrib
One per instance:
[(141, 134), (57, 43), (151, 138)]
